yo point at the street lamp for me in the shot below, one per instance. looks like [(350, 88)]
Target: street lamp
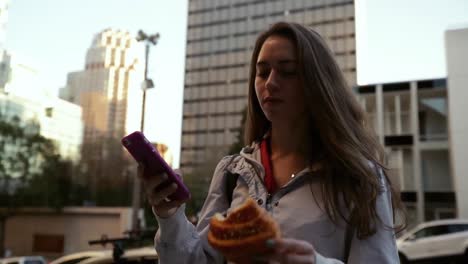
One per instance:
[(147, 84)]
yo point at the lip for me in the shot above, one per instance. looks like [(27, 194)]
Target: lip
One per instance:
[(271, 99)]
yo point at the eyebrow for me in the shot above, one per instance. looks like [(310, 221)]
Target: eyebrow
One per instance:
[(281, 62)]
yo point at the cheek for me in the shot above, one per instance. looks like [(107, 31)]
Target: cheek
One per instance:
[(258, 90), (297, 96)]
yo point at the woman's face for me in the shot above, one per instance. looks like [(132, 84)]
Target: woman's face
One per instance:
[(277, 85)]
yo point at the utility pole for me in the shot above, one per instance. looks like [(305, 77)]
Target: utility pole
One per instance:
[(147, 84)]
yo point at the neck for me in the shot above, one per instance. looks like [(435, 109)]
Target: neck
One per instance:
[(288, 139)]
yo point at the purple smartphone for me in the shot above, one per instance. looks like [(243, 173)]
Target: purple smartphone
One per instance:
[(144, 152)]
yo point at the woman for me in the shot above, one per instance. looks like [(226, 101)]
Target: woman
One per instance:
[(312, 164)]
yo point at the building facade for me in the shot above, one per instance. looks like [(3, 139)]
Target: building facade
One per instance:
[(220, 39), (411, 121), (456, 54), (22, 96), (52, 234), (422, 125), (109, 91)]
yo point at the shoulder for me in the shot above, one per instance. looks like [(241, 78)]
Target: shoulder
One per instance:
[(227, 161)]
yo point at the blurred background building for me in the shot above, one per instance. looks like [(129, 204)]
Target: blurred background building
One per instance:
[(108, 89), (422, 125), (456, 43), (23, 96), (46, 232)]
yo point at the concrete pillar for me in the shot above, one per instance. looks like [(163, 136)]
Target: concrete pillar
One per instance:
[(456, 43), (416, 151)]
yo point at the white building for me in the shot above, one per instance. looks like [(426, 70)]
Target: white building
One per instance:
[(456, 43), (422, 125), (21, 95), (410, 119), (109, 91), (58, 120)]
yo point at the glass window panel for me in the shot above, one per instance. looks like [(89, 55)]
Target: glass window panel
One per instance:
[(432, 116), (396, 114), (204, 107)]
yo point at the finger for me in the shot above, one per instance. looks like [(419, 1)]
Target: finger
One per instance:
[(178, 172), (152, 183), (289, 245), (165, 206), (292, 259), (155, 198), (140, 170)]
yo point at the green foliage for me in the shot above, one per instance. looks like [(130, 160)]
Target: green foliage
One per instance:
[(239, 144), (31, 171), (198, 186)]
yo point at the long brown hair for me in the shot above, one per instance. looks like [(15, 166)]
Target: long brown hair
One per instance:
[(339, 138)]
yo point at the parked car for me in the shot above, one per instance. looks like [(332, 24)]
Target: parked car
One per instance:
[(24, 260), (145, 255), (435, 240), (80, 256)]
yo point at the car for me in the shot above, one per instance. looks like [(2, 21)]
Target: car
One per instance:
[(144, 255), (80, 256), (24, 260), (435, 240)]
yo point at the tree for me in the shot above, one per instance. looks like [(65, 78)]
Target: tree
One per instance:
[(239, 143), (31, 171)]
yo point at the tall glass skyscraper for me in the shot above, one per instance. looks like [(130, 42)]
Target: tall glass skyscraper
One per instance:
[(220, 40)]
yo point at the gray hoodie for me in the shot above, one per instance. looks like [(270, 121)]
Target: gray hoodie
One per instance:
[(296, 207)]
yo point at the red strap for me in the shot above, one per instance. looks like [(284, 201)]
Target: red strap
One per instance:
[(270, 182)]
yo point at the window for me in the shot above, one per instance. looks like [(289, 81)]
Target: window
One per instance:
[(432, 231), (458, 228), (35, 261), (48, 243), (49, 111)]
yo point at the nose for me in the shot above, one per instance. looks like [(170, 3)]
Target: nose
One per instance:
[(272, 81)]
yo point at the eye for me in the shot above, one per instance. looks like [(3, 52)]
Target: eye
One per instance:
[(289, 72), (263, 73)]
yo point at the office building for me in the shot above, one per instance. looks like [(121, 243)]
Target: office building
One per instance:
[(423, 127), (109, 91), (22, 96)]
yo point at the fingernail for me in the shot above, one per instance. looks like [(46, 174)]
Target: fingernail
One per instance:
[(270, 243)]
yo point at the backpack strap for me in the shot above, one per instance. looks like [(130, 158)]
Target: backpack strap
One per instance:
[(231, 183), (349, 233), (231, 180)]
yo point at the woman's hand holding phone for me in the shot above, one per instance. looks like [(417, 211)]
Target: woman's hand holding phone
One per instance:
[(158, 197)]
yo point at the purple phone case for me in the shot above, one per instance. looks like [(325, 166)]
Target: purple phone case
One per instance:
[(144, 152)]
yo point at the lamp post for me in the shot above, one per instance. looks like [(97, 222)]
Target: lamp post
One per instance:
[(147, 84)]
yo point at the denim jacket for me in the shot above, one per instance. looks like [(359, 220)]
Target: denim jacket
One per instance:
[(296, 207)]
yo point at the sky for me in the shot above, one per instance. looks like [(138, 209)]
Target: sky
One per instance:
[(401, 40), (54, 35), (396, 40)]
